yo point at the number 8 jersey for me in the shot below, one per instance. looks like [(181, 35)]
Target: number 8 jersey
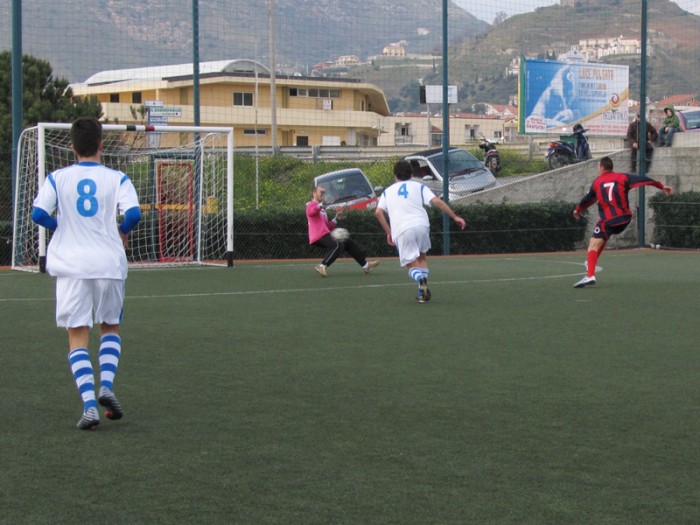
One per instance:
[(87, 198)]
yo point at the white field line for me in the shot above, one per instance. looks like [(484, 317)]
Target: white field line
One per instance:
[(327, 288)]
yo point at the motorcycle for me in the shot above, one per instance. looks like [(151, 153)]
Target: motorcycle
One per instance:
[(491, 157), (561, 153)]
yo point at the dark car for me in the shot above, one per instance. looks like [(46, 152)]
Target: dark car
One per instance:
[(467, 174), (690, 119), (348, 188)]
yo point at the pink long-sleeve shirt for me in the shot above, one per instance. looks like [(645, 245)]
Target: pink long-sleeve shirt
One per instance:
[(319, 225)]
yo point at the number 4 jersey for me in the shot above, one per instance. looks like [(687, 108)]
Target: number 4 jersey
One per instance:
[(87, 198)]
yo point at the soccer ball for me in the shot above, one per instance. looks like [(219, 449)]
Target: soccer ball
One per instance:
[(340, 234)]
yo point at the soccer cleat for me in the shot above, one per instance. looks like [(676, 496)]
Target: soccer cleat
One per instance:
[(424, 290), (89, 420), (320, 269), (420, 298), (370, 265), (113, 410), (586, 281)]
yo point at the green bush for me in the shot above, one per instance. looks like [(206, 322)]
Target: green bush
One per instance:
[(5, 243), (491, 229), (676, 219)]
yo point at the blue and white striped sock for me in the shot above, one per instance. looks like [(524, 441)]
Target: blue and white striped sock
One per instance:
[(110, 350), (81, 367), (415, 274)]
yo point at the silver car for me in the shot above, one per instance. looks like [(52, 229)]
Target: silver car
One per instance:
[(467, 174)]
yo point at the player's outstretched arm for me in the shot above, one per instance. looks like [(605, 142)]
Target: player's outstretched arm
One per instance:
[(437, 201), (668, 190)]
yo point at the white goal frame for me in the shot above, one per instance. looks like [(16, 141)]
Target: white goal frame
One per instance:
[(32, 174)]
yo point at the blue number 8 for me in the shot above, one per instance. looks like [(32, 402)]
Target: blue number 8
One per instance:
[(87, 203)]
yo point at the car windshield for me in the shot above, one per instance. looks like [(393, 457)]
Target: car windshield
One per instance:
[(692, 119), (346, 187), (461, 162)]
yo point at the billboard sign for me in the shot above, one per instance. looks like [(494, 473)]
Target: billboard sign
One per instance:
[(433, 94), (556, 95)]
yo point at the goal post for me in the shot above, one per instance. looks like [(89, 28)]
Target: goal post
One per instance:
[(183, 176)]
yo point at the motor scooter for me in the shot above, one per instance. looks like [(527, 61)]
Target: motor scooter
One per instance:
[(491, 157), (560, 153)]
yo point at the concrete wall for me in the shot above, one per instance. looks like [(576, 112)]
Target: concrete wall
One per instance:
[(678, 166)]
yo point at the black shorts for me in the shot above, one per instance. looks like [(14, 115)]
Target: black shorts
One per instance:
[(605, 228)]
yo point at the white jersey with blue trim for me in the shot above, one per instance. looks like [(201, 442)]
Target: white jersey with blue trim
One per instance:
[(405, 203), (86, 243)]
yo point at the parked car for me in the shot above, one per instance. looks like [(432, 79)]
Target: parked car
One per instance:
[(349, 188), (690, 119), (467, 174)]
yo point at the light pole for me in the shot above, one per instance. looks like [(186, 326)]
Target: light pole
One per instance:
[(273, 89)]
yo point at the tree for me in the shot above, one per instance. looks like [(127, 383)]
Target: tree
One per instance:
[(45, 99), (501, 17)]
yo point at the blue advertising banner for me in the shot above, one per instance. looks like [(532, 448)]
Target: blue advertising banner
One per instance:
[(556, 95)]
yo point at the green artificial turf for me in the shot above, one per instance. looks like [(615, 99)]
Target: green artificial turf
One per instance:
[(265, 394)]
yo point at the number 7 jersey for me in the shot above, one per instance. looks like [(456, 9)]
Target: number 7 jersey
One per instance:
[(87, 198), (611, 191)]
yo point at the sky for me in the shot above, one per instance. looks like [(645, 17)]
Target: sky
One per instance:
[(486, 10)]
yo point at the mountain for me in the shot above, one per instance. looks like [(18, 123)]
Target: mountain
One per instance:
[(479, 66), (81, 38)]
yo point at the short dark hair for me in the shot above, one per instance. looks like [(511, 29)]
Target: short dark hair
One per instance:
[(606, 162), (403, 170), (86, 135)]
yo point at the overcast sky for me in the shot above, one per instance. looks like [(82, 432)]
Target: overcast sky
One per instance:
[(486, 10)]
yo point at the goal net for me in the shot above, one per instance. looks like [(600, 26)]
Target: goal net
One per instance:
[(183, 176)]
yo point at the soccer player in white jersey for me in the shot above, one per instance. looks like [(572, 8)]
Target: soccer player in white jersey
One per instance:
[(408, 227), (86, 255)]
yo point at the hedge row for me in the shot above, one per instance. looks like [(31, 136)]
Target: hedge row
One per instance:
[(502, 228), (676, 219)]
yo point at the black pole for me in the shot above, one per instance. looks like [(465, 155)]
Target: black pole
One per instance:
[(642, 138)]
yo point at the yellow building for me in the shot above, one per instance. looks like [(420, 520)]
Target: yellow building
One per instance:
[(308, 111)]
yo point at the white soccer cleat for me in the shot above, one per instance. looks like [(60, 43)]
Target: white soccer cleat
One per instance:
[(113, 409), (586, 281), (89, 420), (370, 265), (320, 269)]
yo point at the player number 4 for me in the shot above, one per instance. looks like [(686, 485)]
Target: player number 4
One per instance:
[(403, 191)]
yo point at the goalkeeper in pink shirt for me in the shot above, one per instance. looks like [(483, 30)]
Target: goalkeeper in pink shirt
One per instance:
[(320, 228)]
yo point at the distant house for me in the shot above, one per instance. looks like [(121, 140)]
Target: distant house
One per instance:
[(347, 60), (503, 111), (397, 49)]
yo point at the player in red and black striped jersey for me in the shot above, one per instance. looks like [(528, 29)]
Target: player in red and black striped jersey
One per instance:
[(611, 191)]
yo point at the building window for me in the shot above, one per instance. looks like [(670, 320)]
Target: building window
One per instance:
[(136, 97), (314, 93), (252, 131), (243, 99), (114, 97)]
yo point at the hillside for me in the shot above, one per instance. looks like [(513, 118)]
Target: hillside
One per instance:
[(674, 40), (116, 34)]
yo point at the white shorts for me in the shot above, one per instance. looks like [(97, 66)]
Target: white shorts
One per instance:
[(80, 301), (412, 243)]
